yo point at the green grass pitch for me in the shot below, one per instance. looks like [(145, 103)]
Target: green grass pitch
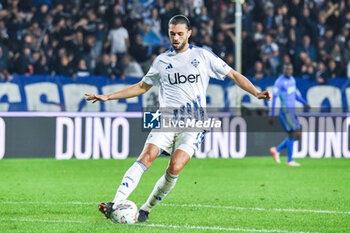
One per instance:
[(212, 195)]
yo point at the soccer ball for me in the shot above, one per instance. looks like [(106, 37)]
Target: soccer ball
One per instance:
[(211, 154), (124, 212)]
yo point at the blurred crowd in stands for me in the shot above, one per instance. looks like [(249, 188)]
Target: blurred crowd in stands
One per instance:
[(119, 38)]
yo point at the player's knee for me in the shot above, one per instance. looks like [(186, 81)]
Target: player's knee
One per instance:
[(175, 168), (291, 135), (148, 155), (295, 135), (147, 158)]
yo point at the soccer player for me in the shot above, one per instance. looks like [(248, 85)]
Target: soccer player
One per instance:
[(285, 89), (182, 74)]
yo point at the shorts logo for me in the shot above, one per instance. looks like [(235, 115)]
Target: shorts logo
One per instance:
[(151, 120)]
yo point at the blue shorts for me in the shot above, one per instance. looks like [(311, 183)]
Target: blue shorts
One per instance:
[(289, 121)]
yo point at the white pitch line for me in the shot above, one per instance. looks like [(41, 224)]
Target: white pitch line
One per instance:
[(40, 220), (214, 228), (50, 202), (189, 205), (258, 209)]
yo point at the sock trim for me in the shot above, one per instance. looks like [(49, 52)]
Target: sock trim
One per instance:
[(167, 174), (141, 165)]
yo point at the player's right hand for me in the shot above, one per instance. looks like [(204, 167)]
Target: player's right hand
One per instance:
[(265, 95), (96, 97)]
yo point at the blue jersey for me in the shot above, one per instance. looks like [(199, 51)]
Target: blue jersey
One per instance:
[(285, 89)]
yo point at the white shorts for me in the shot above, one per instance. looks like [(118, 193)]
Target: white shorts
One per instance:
[(186, 141)]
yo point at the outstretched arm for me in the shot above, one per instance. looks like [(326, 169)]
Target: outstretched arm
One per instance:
[(272, 114), (300, 99), (273, 104), (131, 91), (246, 85), (303, 101)]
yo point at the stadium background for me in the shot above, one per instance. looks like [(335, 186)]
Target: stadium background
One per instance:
[(52, 52)]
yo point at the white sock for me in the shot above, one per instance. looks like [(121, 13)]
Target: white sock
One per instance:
[(163, 186), (130, 181)]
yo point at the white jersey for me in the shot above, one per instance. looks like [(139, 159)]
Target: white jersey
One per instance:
[(183, 78)]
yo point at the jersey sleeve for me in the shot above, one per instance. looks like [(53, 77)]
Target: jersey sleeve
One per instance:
[(126, 34), (275, 95), (218, 68), (109, 36), (300, 99), (153, 76)]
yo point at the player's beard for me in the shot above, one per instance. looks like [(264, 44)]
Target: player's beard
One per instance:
[(288, 75), (180, 47)]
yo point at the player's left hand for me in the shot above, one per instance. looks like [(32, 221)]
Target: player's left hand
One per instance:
[(95, 98), (272, 120), (308, 107), (265, 95)]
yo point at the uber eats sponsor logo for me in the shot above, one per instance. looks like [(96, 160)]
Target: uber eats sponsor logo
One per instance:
[(178, 78)]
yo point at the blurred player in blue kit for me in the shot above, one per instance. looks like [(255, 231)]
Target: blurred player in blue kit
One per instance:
[(182, 74), (285, 89)]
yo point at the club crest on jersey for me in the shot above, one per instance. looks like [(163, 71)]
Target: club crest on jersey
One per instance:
[(195, 62)]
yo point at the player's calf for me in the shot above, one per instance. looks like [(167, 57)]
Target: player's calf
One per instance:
[(295, 134)]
